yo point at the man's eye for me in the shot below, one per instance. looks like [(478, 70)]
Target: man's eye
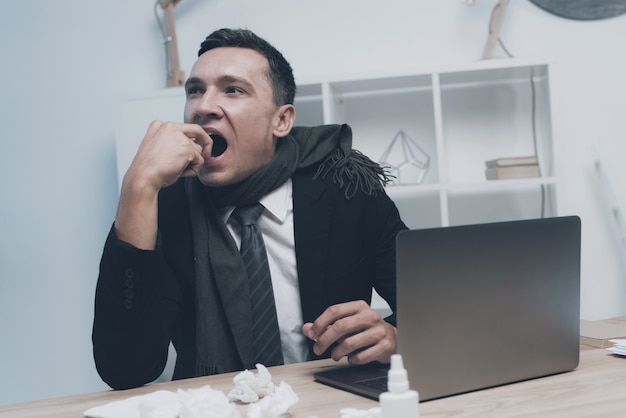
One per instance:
[(193, 90), (234, 90)]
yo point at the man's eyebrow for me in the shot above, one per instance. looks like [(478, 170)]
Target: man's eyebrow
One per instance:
[(192, 81), (227, 79)]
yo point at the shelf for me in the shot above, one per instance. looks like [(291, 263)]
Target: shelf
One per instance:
[(460, 117), (480, 186)]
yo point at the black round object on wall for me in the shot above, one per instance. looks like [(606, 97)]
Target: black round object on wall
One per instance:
[(583, 9)]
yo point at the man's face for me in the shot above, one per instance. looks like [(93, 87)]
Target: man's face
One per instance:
[(230, 96)]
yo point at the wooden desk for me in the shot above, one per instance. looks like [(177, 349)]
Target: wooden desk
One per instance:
[(596, 389)]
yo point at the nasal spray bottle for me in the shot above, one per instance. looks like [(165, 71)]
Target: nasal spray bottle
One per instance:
[(399, 401)]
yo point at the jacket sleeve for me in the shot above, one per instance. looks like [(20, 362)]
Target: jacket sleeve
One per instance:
[(389, 225), (135, 307)]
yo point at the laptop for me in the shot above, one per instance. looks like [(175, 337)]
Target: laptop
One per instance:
[(481, 306)]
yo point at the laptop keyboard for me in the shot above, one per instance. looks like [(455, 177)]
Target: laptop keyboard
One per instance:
[(378, 383)]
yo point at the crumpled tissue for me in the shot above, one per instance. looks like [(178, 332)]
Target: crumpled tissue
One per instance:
[(165, 402), (374, 412), (274, 401), (274, 405), (203, 402), (250, 387), (206, 402)]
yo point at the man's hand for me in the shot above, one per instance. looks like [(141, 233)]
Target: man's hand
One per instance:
[(167, 152), (359, 332)]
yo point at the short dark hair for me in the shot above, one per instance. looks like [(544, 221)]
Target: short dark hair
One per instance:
[(280, 72)]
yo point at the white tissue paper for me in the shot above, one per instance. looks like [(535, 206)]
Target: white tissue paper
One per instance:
[(167, 403), (250, 387), (274, 405), (374, 412), (203, 402), (206, 402)]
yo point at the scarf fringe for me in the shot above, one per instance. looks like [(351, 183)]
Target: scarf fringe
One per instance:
[(355, 171)]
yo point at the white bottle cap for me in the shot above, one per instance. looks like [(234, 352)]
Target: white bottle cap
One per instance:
[(397, 378)]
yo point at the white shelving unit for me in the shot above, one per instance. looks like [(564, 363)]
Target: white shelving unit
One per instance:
[(461, 117)]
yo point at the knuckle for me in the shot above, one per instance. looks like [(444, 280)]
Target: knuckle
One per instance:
[(349, 345), (333, 310), (339, 327), (387, 346), (361, 304), (356, 358), (373, 316)]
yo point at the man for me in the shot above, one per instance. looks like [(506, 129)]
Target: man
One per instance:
[(171, 268)]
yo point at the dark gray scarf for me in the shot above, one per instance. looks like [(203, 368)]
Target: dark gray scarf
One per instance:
[(223, 323)]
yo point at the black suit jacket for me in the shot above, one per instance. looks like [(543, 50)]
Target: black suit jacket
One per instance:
[(144, 299)]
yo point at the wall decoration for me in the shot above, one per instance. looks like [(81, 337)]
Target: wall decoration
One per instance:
[(495, 26), (175, 76), (406, 160), (583, 9)]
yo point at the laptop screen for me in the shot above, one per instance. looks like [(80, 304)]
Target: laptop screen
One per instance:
[(488, 304), (480, 306)]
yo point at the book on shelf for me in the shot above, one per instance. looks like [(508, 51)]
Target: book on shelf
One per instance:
[(600, 333), (512, 171), (512, 161)]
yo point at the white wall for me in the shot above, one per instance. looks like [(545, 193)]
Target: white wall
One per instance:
[(66, 63)]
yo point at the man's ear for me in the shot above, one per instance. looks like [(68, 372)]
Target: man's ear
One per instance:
[(285, 118)]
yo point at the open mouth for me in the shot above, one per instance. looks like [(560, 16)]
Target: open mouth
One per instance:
[(219, 145)]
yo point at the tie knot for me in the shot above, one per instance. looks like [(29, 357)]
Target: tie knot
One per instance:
[(248, 215)]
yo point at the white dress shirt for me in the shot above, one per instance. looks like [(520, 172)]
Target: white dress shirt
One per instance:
[(276, 225)]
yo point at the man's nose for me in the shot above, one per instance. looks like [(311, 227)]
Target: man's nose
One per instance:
[(208, 107)]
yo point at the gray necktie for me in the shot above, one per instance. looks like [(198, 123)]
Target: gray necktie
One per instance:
[(266, 335)]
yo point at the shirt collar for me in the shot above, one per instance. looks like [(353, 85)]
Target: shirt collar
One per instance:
[(279, 202)]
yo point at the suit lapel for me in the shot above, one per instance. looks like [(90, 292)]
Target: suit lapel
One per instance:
[(312, 220)]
